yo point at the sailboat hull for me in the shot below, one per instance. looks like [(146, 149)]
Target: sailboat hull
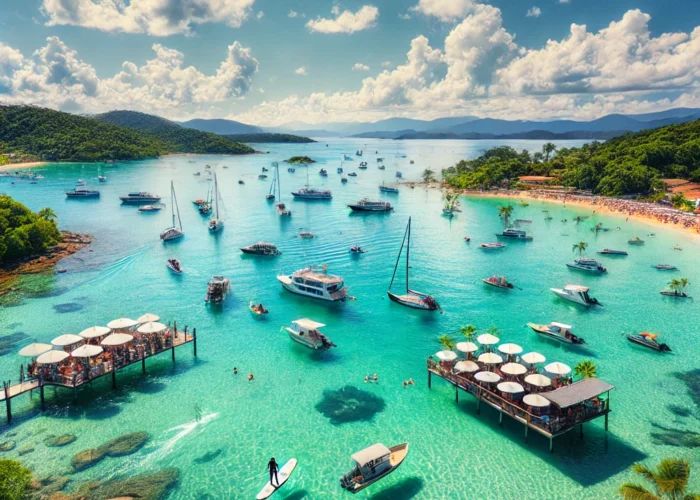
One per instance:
[(412, 301)]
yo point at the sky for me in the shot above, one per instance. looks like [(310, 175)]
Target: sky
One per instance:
[(274, 62)]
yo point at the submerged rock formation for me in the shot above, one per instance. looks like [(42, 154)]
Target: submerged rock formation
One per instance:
[(62, 440), (349, 404), (123, 445)]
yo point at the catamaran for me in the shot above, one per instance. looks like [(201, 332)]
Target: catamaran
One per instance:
[(411, 298), (216, 224), (174, 232)]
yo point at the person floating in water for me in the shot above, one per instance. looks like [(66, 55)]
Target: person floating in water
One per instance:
[(272, 466), (250, 377), (235, 370), (197, 413)]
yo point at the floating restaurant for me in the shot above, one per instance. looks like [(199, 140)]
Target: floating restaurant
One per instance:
[(72, 361), (549, 405)]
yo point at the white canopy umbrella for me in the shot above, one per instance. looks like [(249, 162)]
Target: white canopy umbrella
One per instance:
[(95, 331), (117, 339), (535, 400), (487, 339), (538, 379), (490, 358), (510, 387), (52, 357), (121, 323), (533, 357), (466, 366), (86, 351), (510, 349), (557, 368), (488, 377), (446, 355), (152, 327), (67, 339), (513, 369), (467, 347), (33, 350), (148, 318)]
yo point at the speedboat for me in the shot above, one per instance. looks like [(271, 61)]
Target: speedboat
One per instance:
[(648, 340), (636, 241), (174, 265), (608, 251), (588, 265), (217, 289), (140, 197), (306, 234), (102, 178), (306, 332), (311, 283), (666, 267), (515, 234), (352, 174), (366, 205), (675, 293), (258, 309), (498, 282), (557, 331), (150, 208), (491, 246), (372, 464), (80, 182), (261, 248), (357, 249), (313, 194), (576, 293), (82, 193)]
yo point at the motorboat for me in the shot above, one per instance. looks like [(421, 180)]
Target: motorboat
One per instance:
[(347, 157), (306, 332), (175, 231), (352, 174), (388, 189), (306, 234), (588, 265), (557, 331), (339, 170), (675, 293), (80, 182), (312, 194), (140, 197), (291, 170), (311, 283), (358, 153), (608, 251), (381, 167), (262, 177), (258, 309), (514, 234), (205, 208), (366, 205), (261, 248), (636, 241), (217, 289), (372, 464), (357, 249), (523, 221), (576, 293), (282, 209), (344, 180), (362, 166), (197, 174), (498, 282), (241, 182), (648, 340), (399, 175), (82, 193), (101, 178), (323, 172), (666, 267), (151, 208), (492, 246), (174, 265)]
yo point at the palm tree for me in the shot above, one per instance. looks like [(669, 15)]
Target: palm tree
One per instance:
[(493, 331), (581, 247), (47, 214), (675, 285), (504, 212), (598, 227), (684, 283), (585, 369), (446, 341), (548, 149), (670, 481), (428, 175), (468, 331)]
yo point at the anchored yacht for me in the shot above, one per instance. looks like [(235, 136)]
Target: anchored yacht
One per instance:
[(319, 285)]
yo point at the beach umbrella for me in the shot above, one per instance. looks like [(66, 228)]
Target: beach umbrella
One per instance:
[(510, 349), (510, 387), (557, 368), (488, 377), (121, 323), (446, 355), (533, 357), (487, 339), (52, 357), (538, 379), (466, 366), (67, 339), (152, 327), (95, 331), (117, 339), (467, 347), (535, 400), (86, 351), (490, 358), (147, 318), (33, 350), (513, 369)]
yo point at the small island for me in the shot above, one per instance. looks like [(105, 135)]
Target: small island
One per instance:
[(299, 160)]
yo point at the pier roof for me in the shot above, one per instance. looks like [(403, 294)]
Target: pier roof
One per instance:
[(577, 392)]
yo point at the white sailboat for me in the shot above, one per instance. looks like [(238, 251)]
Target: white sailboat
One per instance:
[(216, 224), (175, 232)]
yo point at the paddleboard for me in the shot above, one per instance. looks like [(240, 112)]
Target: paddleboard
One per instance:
[(283, 475)]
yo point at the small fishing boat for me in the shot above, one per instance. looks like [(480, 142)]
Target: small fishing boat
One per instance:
[(636, 241), (217, 289), (388, 189), (366, 205), (197, 174), (548, 218), (379, 160), (577, 294), (311, 283), (291, 170), (498, 282), (82, 193), (306, 234), (139, 197), (262, 177), (372, 464), (306, 332), (357, 249), (492, 246), (352, 174), (323, 172), (411, 162), (174, 265), (258, 309), (261, 248), (648, 340), (557, 331), (102, 178), (358, 153), (362, 166), (588, 265), (666, 267), (175, 231), (381, 167), (347, 157), (514, 234), (241, 182), (151, 208), (399, 175), (608, 251), (343, 180), (263, 169), (282, 210), (282, 477)]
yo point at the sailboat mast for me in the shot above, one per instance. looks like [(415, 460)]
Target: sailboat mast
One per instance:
[(398, 257), (408, 251), (172, 201), (216, 196), (278, 194)]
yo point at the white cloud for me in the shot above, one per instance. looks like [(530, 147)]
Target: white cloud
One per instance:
[(292, 14), (405, 16), (345, 22), (153, 17), (10, 60), (360, 67), (261, 90), (533, 12), (564, 1), (387, 64), (445, 10), (260, 15), (301, 71)]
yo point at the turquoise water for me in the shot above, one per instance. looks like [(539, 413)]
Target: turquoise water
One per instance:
[(454, 452)]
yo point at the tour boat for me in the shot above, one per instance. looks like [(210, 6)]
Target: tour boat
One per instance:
[(151, 208), (102, 178), (357, 249), (310, 283), (258, 309), (216, 224), (217, 289), (588, 265), (174, 266), (515, 234), (665, 267), (261, 248), (576, 293), (498, 282), (372, 464), (140, 197), (309, 193), (174, 232), (636, 241), (557, 331), (648, 340), (366, 205), (82, 193), (411, 298), (608, 251), (305, 332), (491, 246), (388, 189), (352, 174)]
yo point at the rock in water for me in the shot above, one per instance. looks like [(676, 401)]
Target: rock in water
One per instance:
[(118, 447), (62, 440)]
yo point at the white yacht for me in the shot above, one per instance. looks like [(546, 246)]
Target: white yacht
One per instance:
[(557, 331), (515, 234), (308, 193), (576, 293), (589, 265), (311, 283), (305, 332)]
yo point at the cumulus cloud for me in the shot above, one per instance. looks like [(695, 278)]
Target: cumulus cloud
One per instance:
[(564, 1), (533, 12), (301, 71), (260, 15), (360, 67), (153, 17), (445, 10), (345, 22), (292, 14), (387, 64), (10, 60)]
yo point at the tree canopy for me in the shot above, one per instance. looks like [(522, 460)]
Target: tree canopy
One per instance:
[(24, 233), (14, 480)]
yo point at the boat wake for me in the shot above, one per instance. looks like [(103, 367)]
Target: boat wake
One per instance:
[(167, 445)]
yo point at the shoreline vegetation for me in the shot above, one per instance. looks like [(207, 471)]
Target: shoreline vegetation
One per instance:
[(299, 160)]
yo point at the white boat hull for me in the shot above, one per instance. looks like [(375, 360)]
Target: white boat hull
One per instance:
[(305, 341), (571, 298), (289, 285), (171, 234)]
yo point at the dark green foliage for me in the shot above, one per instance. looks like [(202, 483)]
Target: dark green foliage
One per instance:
[(264, 137), (300, 160), (173, 137), (22, 232), (14, 480)]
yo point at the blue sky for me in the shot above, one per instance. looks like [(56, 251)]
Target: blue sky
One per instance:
[(272, 61)]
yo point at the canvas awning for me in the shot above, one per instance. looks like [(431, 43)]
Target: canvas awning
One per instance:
[(538, 379), (374, 452), (86, 351), (510, 349), (513, 369), (121, 323), (67, 339), (490, 358), (578, 392), (466, 366), (487, 339), (510, 387), (489, 377), (117, 339), (33, 350), (308, 324), (533, 357), (95, 331), (152, 327), (557, 368), (52, 357), (467, 347), (535, 400), (147, 318)]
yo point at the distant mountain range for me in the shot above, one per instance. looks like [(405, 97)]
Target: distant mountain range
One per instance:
[(221, 127)]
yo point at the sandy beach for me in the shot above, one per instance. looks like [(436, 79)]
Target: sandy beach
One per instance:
[(12, 167)]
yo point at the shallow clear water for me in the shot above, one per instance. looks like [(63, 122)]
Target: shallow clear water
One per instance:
[(454, 452)]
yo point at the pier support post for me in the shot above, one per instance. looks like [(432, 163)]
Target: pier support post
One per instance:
[(194, 338), (500, 418), (478, 404), (430, 375), (606, 422), (8, 404), (143, 364), (527, 427), (41, 393), (456, 393), (551, 444), (173, 351), (581, 432), (114, 377)]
